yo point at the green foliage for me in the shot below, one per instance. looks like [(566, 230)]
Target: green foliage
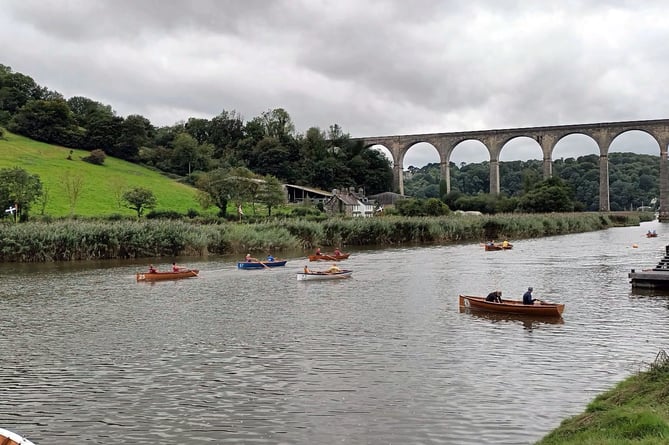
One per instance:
[(633, 179), (20, 189), (139, 199), (271, 193), (47, 121), (550, 195), (421, 207)]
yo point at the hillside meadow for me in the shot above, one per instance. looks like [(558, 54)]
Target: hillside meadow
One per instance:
[(102, 185)]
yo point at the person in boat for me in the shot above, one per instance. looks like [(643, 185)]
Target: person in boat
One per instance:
[(505, 244), (250, 259), (152, 269), (270, 258), (318, 251), (176, 268), (337, 252), (527, 297), (495, 296), (334, 269), (649, 233), (491, 243), (306, 269)]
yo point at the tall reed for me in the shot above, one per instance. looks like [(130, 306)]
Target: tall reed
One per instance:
[(68, 240)]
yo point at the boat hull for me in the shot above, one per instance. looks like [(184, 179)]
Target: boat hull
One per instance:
[(329, 257), (319, 276), (511, 307), (158, 276), (9, 438), (494, 247), (260, 264)]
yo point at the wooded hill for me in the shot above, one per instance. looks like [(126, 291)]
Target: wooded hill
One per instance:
[(633, 179)]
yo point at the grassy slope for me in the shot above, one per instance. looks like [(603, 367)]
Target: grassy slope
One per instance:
[(636, 411), (101, 183)]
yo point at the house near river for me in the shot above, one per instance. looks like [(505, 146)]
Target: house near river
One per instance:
[(344, 202)]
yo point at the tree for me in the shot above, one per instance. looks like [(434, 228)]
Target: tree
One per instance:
[(73, 184), (220, 186), (550, 195), (48, 121), (271, 193), (19, 189), (188, 156), (139, 199)]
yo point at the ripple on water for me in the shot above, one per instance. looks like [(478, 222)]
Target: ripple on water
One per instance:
[(385, 357)]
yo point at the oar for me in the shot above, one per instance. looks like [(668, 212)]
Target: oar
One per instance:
[(264, 265)]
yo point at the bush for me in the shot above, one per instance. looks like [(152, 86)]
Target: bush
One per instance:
[(96, 157), (164, 214)]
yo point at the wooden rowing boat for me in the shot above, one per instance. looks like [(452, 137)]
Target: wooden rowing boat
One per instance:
[(260, 264), (512, 307), (157, 276), (325, 275), (529, 321), (329, 257), (9, 438), (498, 246)]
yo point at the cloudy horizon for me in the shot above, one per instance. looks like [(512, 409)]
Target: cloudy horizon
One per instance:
[(374, 68)]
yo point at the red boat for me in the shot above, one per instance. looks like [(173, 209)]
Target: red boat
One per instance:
[(542, 309), (156, 276), (329, 257)]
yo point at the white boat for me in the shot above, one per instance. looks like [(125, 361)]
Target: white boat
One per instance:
[(307, 276), (9, 438)]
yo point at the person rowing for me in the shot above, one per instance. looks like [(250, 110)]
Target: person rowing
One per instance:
[(334, 269)]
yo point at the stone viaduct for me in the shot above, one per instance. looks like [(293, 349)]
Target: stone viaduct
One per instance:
[(547, 137)]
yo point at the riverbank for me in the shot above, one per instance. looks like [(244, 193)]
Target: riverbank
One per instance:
[(635, 411), (69, 240)]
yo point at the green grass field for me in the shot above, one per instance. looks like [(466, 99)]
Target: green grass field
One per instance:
[(102, 185)]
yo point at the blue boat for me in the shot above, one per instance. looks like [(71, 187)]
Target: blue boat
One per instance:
[(260, 264)]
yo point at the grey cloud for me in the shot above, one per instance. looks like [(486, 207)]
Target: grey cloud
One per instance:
[(373, 67)]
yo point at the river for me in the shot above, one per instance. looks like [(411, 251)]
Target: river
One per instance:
[(238, 356)]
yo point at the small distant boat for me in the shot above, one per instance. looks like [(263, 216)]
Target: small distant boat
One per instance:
[(498, 246), (651, 235), (329, 257), (9, 438), (325, 275), (260, 264), (157, 276), (512, 307)]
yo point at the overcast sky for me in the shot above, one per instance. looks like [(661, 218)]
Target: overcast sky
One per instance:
[(374, 67)]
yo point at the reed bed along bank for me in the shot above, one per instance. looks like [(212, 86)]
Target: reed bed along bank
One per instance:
[(69, 240)]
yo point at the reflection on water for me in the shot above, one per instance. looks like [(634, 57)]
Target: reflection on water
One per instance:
[(235, 356), (527, 321)]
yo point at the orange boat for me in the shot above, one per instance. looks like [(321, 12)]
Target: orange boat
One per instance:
[(157, 276), (329, 257), (512, 307)]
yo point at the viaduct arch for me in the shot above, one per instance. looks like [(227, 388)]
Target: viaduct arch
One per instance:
[(547, 137)]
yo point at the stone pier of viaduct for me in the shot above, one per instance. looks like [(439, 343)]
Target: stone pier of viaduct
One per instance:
[(547, 137)]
